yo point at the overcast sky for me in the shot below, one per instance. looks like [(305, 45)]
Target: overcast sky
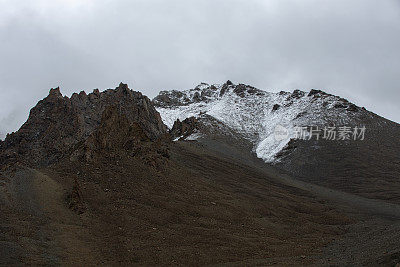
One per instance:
[(347, 47)]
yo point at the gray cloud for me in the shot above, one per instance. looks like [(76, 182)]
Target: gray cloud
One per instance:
[(349, 48)]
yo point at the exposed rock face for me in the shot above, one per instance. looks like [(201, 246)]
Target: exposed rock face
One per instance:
[(203, 93), (276, 107), (117, 137), (75, 199), (318, 93), (53, 126), (58, 123), (184, 128), (295, 95), (135, 106), (242, 90)]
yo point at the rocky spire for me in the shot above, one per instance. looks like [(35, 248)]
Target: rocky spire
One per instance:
[(55, 93)]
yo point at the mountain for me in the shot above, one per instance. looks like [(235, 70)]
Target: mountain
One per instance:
[(56, 124), (364, 163), (99, 179)]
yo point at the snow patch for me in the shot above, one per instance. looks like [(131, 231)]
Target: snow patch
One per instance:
[(193, 136)]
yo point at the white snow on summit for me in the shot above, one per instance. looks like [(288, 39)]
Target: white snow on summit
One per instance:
[(255, 114)]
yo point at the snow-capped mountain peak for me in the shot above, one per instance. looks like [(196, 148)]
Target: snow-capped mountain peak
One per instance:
[(255, 114)]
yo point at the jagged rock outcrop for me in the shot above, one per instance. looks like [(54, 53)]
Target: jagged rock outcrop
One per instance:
[(276, 107), (295, 95), (117, 137), (75, 198), (58, 123), (203, 93), (182, 129)]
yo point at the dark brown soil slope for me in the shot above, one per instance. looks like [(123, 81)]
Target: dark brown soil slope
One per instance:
[(202, 209)]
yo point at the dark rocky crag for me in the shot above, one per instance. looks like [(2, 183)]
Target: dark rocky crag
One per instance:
[(56, 124), (116, 137), (202, 93), (182, 129)]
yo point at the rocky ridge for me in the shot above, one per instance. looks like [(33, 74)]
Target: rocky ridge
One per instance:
[(58, 123)]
